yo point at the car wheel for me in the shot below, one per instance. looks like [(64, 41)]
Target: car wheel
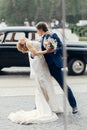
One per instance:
[(76, 66)]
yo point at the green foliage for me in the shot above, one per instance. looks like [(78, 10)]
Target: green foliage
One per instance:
[(76, 10), (81, 31), (82, 38), (15, 11)]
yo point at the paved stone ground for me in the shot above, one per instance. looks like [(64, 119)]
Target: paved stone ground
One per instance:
[(16, 92), (12, 104)]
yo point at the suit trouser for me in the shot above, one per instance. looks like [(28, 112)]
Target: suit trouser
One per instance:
[(58, 75)]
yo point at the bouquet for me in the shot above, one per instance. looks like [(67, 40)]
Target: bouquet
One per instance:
[(50, 43)]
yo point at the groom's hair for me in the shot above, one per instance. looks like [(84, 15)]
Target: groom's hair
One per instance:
[(43, 26)]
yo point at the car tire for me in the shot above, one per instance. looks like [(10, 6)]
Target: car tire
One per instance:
[(76, 66)]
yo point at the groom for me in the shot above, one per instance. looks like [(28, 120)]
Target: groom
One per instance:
[(54, 61)]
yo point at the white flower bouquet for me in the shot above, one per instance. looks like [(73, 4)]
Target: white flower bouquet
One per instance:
[(50, 43)]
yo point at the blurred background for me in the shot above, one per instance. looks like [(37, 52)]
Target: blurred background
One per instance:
[(29, 12), (16, 87)]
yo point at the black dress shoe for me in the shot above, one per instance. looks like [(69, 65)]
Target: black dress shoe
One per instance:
[(74, 110)]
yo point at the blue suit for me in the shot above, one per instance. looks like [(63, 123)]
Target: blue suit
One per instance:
[(54, 61), (51, 57)]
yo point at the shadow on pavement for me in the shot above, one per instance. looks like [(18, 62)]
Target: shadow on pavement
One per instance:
[(14, 73), (22, 71)]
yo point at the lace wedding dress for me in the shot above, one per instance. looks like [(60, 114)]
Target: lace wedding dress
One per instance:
[(47, 103)]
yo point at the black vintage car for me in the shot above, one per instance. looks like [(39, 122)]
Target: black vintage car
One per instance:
[(10, 56), (76, 57)]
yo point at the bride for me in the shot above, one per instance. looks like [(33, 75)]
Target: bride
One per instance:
[(46, 101)]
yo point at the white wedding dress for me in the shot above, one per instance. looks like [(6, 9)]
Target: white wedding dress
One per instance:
[(47, 102)]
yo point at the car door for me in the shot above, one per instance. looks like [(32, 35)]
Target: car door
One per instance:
[(9, 55)]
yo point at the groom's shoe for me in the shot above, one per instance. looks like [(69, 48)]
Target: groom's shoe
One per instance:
[(74, 110)]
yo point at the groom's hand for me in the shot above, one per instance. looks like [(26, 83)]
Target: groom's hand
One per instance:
[(50, 50)]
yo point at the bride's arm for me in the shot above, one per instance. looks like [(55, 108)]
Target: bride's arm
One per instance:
[(24, 46), (37, 53), (34, 51)]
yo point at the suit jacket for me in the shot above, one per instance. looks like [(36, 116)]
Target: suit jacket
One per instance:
[(55, 58)]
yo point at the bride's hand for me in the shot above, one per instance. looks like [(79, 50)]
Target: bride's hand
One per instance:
[(33, 52)]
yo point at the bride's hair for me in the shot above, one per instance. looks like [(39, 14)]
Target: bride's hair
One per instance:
[(21, 46)]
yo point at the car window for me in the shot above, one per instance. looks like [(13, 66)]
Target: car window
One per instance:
[(37, 37), (1, 36), (19, 35), (33, 36), (9, 37), (14, 36)]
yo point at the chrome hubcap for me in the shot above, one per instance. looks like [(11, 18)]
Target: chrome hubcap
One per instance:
[(78, 66)]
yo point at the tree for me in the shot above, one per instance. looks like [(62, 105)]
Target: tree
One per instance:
[(75, 10), (15, 11)]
